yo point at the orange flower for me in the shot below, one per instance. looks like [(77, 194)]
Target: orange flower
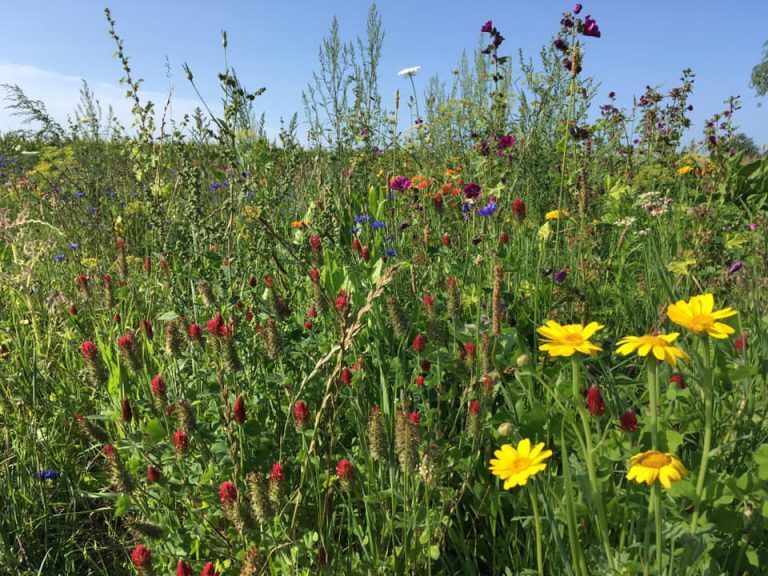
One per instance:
[(299, 224)]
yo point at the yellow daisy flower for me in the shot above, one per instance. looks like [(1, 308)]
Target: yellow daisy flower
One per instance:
[(698, 316), (555, 214), (659, 344), (516, 465), (652, 465), (569, 339), (684, 170)]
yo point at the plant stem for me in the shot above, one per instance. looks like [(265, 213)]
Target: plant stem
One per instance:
[(653, 393), (592, 473), (708, 413), (656, 497), (537, 526)]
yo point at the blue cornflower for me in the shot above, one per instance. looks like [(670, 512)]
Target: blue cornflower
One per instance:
[(213, 187), (79, 194), (466, 207), (362, 218), (49, 474), (74, 245), (354, 229), (112, 195), (391, 252), (376, 224), (92, 209), (58, 257), (488, 209)]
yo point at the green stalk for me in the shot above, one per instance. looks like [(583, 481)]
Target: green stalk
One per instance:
[(591, 471), (537, 526), (656, 497), (653, 393), (577, 556), (708, 414)]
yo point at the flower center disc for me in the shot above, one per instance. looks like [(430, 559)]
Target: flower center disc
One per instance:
[(655, 460), (701, 322), (574, 339), (521, 463)]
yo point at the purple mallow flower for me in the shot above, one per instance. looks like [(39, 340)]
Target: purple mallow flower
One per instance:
[(560, 276), (472, 190), (487, 27), (506, 141), (400, 183)]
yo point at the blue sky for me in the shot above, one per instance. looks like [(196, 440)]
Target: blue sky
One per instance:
[(47, 46)]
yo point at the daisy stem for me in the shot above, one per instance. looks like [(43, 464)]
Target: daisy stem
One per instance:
[(656, 498), (592, 473), (708, 409), (653, 393), (537, 526)]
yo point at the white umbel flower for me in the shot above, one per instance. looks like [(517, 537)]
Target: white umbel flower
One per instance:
[(409, 71)]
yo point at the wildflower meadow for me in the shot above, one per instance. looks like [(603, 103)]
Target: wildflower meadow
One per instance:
[(527, 333)]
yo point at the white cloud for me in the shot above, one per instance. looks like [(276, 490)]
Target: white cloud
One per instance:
[(61, 93)]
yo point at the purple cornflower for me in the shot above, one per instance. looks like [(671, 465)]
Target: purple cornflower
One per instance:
[(391, 253), (560, 276), (362, 218), (74, 245), (472, 190), (488, 209), (735, 267), (400, 183), (59, 257), (49, 474), (377, 224)]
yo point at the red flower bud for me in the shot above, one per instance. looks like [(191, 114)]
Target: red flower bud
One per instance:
[(678, 379), (741, 343), (300, 413), (158, 386), (153, 474), (628, 421), (595, 402), (142, 557), (227, 493), (239, 410), (344, 470), (419, 343)]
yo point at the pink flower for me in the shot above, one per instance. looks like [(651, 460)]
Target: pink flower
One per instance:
[(227, 493)]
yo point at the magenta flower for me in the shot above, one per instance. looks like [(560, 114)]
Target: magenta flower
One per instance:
[(472, 190), (400, 183), (577, 8), (590, 28), (487, 27)]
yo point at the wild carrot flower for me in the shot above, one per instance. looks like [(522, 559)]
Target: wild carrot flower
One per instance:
[(569, 339), (698, 316), (408, 72), (659, 344), (653, 465), (516, 465)]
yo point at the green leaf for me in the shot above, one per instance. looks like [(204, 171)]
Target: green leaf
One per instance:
[(760, 458), (434, 551), (155, 430), (168, 316)]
